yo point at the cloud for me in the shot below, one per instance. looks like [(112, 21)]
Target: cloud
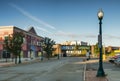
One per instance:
[(66, 34), (57, 32), (111, 37), (91, 36), (42, 29), (73, 35), (31, 16)]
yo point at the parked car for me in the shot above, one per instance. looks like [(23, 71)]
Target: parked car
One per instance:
[(117, 61), (112, 59)]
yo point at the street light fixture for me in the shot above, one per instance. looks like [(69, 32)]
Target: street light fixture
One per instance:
[(100, 72)]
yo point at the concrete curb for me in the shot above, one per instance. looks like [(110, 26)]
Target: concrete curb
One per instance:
[(84, 73), (108, 78)]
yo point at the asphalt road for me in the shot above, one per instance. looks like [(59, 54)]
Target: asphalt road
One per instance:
[(64, 69)]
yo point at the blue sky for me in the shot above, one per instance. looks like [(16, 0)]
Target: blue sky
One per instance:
[(65, 20)]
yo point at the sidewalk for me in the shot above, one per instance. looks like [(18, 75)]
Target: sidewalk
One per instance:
[(24, 61), (91, 76), (91, 71), (10, 63), (112, 71)]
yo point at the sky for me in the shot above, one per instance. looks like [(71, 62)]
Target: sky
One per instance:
[(65, 20)]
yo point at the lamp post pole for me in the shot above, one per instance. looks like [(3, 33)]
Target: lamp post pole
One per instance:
[(100, 72)]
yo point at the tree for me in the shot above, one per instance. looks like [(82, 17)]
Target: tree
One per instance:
[(48, 46), (13, 43), (76, 48), (96, 50)]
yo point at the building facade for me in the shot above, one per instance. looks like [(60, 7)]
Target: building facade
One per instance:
[(31, 46), (72, 48)]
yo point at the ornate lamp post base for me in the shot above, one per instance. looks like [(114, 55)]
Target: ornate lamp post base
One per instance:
[(100, 73)]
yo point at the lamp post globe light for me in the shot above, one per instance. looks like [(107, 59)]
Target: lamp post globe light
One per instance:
[(100, 72)]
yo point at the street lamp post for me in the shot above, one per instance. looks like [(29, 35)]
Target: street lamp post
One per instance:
[(100, 72)]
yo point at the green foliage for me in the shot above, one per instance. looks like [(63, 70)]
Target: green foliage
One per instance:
[(48, 46), (76, 47), (77, 55), (96, 50), (13, 43), (83, 51)]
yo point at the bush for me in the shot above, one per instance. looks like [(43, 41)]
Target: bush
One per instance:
[(78, 55)]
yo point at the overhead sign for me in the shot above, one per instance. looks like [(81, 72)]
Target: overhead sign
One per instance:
[(72, 47)]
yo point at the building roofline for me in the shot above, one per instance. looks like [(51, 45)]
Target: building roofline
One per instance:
[(7, 26), (12, 26)]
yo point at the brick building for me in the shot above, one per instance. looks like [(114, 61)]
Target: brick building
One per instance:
[(32, 42)]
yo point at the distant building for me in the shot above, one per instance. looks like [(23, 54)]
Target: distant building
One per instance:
[(32, 42), (73, 48), (106, 50), (57, 49), (74, 43), (112, 48)]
